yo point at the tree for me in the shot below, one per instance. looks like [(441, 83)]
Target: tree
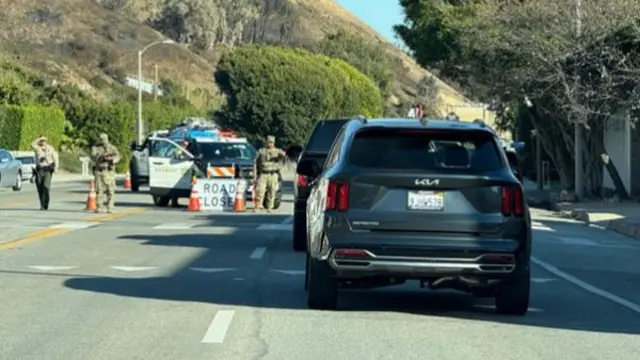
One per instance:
[(512, 50), (368, 57)]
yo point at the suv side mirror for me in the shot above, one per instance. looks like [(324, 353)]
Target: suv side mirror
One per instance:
[(308, 167), (133, 146), (293, 152)]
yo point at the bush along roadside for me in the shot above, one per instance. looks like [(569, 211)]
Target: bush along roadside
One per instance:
[(20, 125)]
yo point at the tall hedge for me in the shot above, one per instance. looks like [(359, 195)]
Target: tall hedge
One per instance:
[(20, 125), (284, 91)]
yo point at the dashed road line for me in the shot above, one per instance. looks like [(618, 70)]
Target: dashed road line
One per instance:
[(258, 253), (288, 220), (74, 225), (133, 268), (52, 268), (218, 328), (176, 226), (540, 227), (276, 227)]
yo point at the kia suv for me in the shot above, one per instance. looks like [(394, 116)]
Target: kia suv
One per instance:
[(430, 200)]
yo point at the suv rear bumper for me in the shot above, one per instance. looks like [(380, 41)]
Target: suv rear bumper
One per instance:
[(431, 258)]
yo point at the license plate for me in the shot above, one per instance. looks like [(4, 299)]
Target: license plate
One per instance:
[(425, 200)]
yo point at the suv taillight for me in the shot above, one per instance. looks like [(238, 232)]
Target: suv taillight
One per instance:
[(301, 180), (337, 196), (513, 201)]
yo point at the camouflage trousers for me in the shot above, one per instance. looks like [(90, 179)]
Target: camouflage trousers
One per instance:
[(105, 185), (267, 185)]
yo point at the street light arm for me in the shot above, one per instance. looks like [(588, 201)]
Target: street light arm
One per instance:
[(150, 45), (158, 42)]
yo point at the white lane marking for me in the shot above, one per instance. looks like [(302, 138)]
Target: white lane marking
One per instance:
[(258, 253), (289, 272), (288, 220), (276, 227), (540, 226), (586, 286), (173, 226), (133, 268), (542, 280), (52, 268), (578, 241), (73, 225), (218, 328), (211, 270)]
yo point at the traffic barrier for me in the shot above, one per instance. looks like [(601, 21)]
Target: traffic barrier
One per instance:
[(91, 198), (221, 172), (219, 194), (127, 181), (194, 200), (239, 203)]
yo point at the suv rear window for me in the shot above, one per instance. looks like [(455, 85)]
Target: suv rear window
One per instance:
[(323, 135), (420, 150)]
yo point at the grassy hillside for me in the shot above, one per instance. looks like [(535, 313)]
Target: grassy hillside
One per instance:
[(82, 42)]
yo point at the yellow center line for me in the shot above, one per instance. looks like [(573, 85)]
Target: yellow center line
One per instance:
[(46, 233), (41, 234)]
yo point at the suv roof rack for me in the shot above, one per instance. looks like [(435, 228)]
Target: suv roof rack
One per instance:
[(362, 118)]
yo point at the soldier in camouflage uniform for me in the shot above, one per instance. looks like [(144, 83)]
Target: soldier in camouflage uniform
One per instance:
[(266, 167), (105, 156)]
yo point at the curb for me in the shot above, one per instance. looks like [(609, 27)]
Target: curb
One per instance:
[(622, 227)]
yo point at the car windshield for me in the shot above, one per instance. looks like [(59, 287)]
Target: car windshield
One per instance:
[(225, 151), (26, 159), (425, 150)]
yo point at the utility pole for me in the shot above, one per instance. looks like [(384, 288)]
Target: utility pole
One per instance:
[(578, 132), (155, 85)]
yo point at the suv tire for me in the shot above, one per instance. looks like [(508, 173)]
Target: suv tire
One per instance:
[(299, 233), (161, 201), (322, 286), (512, 297)]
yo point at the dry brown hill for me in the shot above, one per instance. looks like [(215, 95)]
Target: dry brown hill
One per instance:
[(82, 42)]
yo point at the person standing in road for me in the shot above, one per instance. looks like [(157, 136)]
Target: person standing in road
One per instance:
[(266, 168), (105, 156), (47, 161)]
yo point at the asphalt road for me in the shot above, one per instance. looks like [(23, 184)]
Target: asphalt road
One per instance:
[(159, 284)]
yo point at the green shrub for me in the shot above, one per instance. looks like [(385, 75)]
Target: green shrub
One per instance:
[(20, 125), (116, 119), (284, 91)]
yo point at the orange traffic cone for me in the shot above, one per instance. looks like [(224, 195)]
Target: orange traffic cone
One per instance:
[(127, 181), (238, 203), (91, 198), (194, 200)]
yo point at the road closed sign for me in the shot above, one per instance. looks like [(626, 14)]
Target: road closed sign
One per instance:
[(217, 194)]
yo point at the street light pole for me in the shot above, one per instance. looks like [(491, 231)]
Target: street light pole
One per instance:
[(139, 129), (578, 130)]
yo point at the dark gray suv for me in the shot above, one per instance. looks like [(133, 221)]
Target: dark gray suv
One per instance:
[(430, 200)]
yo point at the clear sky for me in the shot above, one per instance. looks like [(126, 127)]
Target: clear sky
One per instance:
[(379, 14)]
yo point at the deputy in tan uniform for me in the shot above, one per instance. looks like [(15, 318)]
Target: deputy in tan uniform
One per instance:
[(105, 156), (266, 168), (47, 162)]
